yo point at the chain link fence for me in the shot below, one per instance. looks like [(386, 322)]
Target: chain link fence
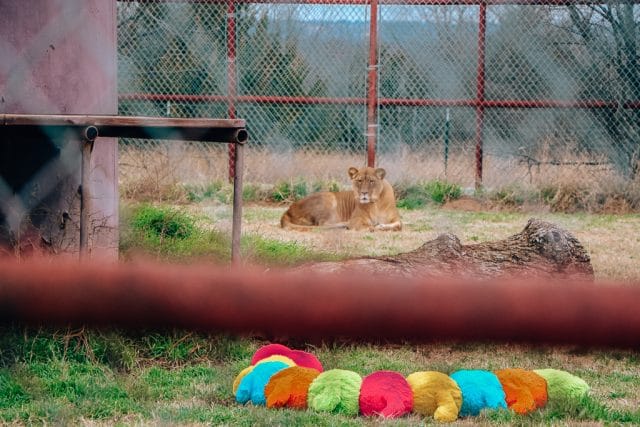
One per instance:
[(487, 94), (531, 94)]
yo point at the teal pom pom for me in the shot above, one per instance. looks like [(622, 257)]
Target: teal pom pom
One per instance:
[(480, 390), (335, 391), (252, 385)]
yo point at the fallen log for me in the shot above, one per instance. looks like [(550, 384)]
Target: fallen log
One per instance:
[(542, 249)]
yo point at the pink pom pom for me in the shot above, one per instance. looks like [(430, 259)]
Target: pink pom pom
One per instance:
[(301, 358), (385, 393)]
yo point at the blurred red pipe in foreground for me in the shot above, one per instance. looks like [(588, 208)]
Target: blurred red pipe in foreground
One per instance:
[(279, 305)]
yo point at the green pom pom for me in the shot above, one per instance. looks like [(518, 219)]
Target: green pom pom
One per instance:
[(337, 391), (563, 386)]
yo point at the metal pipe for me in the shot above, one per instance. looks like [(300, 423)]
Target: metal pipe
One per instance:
[(90, 133), (236, 228), (480, 77), (322, 308), (372, 85), (200, 129)]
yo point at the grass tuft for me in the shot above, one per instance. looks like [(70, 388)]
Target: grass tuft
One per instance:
[(418, 196), (168, 234), (287, 191), (274, 252)]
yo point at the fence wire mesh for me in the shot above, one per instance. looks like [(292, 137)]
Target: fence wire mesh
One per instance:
[(508, 94)]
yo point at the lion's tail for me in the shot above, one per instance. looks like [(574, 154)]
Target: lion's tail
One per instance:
[(286, 222)]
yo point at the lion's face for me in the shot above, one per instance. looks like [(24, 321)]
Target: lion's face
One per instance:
[(367, 183)]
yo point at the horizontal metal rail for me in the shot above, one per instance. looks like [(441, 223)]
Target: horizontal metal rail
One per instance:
[(385, 2), (197, 129), (412, 102)]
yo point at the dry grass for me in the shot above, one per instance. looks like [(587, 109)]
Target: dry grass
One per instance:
[(160, 172), (178, 162), (613, 241)]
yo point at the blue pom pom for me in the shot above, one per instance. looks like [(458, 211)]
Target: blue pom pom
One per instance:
[(252, 385), (480, 390)]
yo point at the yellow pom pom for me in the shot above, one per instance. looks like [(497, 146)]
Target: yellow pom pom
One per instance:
[(239, 378), (435, 394)]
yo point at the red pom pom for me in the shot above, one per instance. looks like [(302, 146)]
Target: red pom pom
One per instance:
[(301, 358), (385, 393)]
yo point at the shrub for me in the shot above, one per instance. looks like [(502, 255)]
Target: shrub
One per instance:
[(417, 196), (216, 190), (163, 222), (508, 197), (441, 191), (285, 191)]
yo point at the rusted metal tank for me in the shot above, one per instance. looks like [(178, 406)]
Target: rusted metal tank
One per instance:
[(57, 57)]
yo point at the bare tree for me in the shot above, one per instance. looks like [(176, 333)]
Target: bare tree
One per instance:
[(609, 35)]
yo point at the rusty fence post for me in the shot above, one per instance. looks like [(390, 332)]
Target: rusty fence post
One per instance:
[(480, 91), (231, 79), (372, 86)]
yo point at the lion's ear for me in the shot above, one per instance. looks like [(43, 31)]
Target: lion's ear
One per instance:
[(380, 173), (352, 172)]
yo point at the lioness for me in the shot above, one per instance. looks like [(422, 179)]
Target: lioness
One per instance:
[(370, 205)]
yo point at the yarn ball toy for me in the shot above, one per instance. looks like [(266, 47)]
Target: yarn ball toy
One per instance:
[(276, 380), (561, 385), (336, 391), (435, 395), (299, 357), (480, 390), (252, 385), (525, 390), (385, 393), (289, 387)]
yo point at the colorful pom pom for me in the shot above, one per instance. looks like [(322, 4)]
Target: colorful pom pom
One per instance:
[(435, 394), (337, 391), (525, 391), (385, 393), (480, 390), (562, 385), (239, 377), (289, 387), (252, 386), (299, 357), (281, 377), (278, 358)]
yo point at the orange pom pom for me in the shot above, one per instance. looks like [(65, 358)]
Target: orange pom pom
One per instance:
[(289, 387), (525, 390)]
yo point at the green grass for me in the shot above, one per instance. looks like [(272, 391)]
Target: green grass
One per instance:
[(287, 191), (66, 377), (78, 376), (259, 250), (170, 234)]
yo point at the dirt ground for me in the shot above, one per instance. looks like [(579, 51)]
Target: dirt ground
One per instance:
[(612, 241)]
